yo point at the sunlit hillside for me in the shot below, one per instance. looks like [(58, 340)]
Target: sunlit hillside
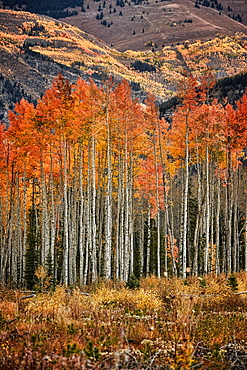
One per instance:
[(34, 49), (145, 25)]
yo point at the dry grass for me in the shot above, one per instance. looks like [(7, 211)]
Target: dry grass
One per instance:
[(166, 324)]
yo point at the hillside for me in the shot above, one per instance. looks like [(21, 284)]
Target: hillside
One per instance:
[(125, 25), (145, 24), (35, 48)]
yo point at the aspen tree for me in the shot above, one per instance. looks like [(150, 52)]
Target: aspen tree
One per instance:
[(241, 127), (106, 168), (108, 199), (181, 132), (156, 140), (128, 118), (148, 241)]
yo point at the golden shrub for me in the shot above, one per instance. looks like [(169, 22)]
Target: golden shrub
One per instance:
[(50, 305), (141, 299), (8, 309)]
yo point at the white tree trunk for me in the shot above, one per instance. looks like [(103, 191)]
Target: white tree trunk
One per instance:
[(207, 214), (148, 240), (185, 203), (82, 222), (94, 236), (108, 205), (66, 221)]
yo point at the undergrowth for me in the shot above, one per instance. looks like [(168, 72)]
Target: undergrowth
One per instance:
[(164, 324)]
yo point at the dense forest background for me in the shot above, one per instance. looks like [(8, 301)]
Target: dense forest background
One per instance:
[(96, 185)]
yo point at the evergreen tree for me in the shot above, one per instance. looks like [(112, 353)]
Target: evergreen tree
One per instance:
[(32, 255)]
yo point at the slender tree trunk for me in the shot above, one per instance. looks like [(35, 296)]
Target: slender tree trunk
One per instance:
[(127, 214), (235, 249), (88, 251), (24, 241), (53, 216), (212, 231), (45, 240), (207, 214), (66, 220), (141, 241), (122, 234), (15, 245), (81, 240), (119, 235), (245, 236), (228, 215), (198, 217), (131, 215), (148, 240), (217, 221), (89, 209), (166, 218), (108, 205), (185, 202), (72, 211), (171, 233), (158, 221), (94, 230)]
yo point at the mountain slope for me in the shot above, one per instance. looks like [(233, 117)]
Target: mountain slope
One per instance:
[(126, 25), (145, 24), (35, 48)]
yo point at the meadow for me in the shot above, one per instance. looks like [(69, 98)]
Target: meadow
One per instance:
[(197, 323)]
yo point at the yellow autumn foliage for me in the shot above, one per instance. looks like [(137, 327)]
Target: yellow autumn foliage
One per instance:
[(141, 299)]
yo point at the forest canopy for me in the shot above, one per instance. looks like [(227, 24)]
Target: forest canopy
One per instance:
[(96, 185)]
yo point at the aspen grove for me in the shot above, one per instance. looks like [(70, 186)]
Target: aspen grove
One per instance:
[(94, 185)]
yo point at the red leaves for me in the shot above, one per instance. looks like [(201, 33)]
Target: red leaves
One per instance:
[(70, 115)]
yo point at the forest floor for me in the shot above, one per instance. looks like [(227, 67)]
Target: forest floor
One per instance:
[(197, 323)]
